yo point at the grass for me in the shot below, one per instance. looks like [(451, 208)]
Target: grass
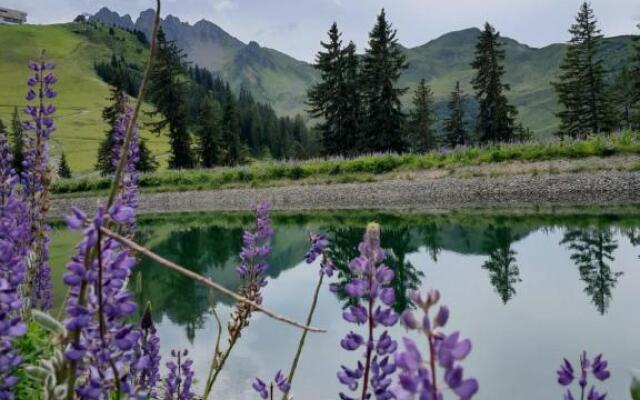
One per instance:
[(82, 95), (361, 169)]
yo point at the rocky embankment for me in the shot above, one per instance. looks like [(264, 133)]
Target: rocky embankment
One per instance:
[(514, 191)]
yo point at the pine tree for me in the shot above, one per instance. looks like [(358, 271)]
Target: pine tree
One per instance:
[(167, 91), (146, 160), (17, 148), (325, 97), (209, 133), (63, 169), (382, 66), (455, 132), (110, 114), (234, 151), (421, 120), (350, 93), (623, 100), (496, 117), (581, 86)]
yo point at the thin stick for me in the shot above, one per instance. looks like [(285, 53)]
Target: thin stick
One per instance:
[(143, 89), (303, 338), (202, 280)]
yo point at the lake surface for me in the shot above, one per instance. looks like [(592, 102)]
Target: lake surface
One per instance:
[(527, 291)]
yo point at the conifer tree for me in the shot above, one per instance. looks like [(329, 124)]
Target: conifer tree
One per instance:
[(17, 148), (234, 152), (382, 66), (146, 160), (634, 78), (3, 127), (496, 117), (581, 86), (110, 115), (455, 133), (209, 133), (335, 98), (421, 120), (350, 92), (63, 169), (167, 91)]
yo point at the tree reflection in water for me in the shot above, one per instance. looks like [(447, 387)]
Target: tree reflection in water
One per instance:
[(503, 270), (592, 251)]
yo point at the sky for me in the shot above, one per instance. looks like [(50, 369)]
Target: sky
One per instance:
[(297, 26)]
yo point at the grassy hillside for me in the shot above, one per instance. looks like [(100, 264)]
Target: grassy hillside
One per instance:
[(82, 95)]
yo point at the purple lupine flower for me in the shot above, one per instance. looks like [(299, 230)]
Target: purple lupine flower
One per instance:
[(105, 345), (597, 368), (129, 186), (37, 176), (253, 266), (419, 376), (318, 246), (371, 279), (267, 391), (14, 240), (177, 384), (148, 366)]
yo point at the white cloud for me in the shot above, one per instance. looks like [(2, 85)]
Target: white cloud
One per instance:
[(224, 5)]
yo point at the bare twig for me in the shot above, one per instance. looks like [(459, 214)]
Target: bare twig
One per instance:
[(143, 89), (202, 280)]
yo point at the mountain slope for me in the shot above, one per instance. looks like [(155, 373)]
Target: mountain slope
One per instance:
[(283, 81), (82, 95)]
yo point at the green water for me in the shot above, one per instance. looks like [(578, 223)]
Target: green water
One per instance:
[(528, 291)]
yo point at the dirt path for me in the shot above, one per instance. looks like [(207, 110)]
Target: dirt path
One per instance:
[(419, 193)]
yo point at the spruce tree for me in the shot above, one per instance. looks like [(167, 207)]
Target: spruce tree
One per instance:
[(146, 160), (455, 133), (17, 148), (209, 133), (110, 114), (382, 66), (167, 91), (634, 72), (581, 86), (496, 117), (63, 169), (329, 98), (421, 119), (350, 93)]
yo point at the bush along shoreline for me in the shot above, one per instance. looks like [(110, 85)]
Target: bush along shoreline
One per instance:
[(97, 351)]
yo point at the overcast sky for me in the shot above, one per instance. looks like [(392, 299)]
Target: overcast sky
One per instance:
[(296, 26)]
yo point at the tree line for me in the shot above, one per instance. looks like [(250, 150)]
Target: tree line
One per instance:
[(357, 102), (207, 123)]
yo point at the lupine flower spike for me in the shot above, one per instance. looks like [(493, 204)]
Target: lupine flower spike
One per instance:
[(37, 176), (180, 376), (266, 391), (14, 239), (370, 287), (596, 367), (419, 377)]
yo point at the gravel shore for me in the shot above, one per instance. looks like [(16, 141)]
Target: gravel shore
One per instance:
[(516, 191)]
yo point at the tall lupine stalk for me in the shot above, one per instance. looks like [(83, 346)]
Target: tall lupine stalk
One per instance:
[(317, 249), (596, 367), (37, 177), (253, 257), (177, 384), (14, 239), (370, 287), (419, 378)]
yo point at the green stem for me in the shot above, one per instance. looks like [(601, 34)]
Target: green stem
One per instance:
[(216, 350), (303, 338)]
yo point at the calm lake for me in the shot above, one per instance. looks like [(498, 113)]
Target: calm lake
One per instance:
[(527, 291)]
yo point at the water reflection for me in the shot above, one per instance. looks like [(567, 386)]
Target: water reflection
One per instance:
[(592, 250), (548, 274), (503, 270)]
